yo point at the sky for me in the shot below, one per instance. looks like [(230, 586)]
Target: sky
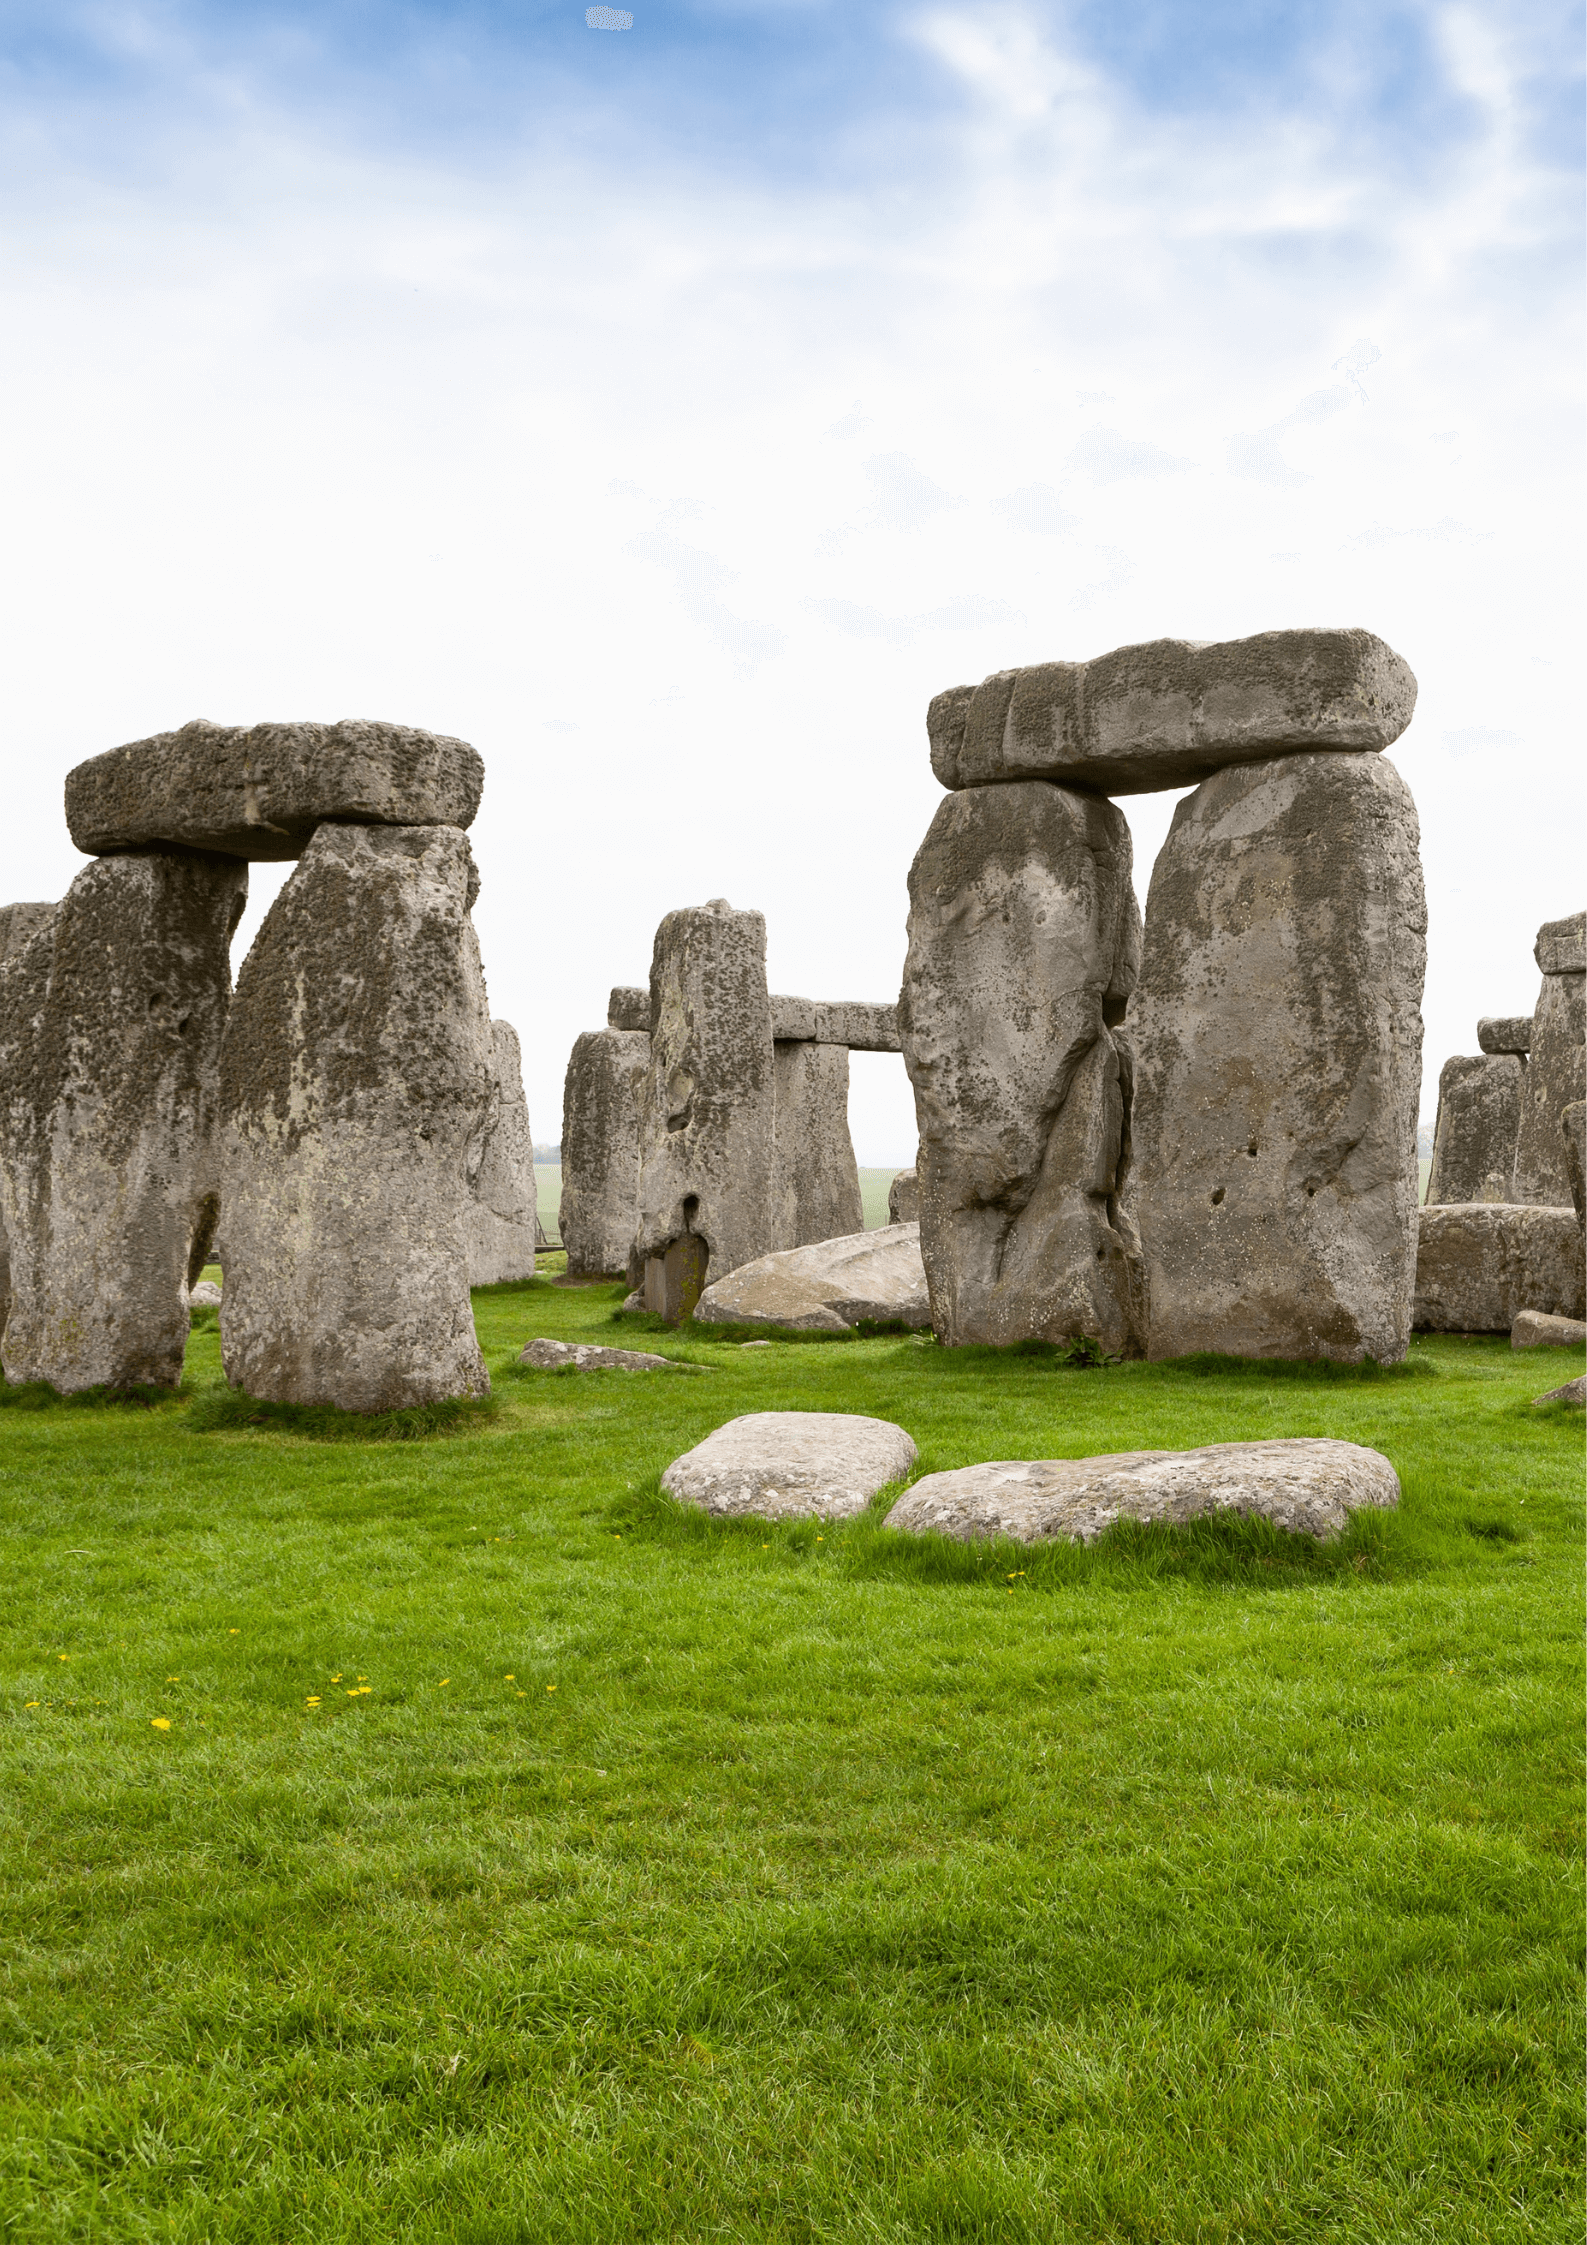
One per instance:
[(671, 411)]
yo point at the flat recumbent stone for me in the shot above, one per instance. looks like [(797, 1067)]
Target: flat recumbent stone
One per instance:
[(791, 1465), (259, 791)]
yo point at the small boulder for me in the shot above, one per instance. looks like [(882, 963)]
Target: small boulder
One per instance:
[(1535, 1329), (1308, 1486), (791, 1465), (903, 1198), (204, 1296), (580, 1356), (829, 1287), (1573, 1393)]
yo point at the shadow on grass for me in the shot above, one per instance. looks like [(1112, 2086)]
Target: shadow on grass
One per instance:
[(1229, 1549), (38, 1395), (223, 1410)]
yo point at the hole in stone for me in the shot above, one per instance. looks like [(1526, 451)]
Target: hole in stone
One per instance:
[(1217, 1196), (1251, 1149)]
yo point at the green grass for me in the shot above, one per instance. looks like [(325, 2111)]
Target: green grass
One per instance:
[(685, 1880)]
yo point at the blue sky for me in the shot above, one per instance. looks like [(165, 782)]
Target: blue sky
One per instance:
[(672, 411)]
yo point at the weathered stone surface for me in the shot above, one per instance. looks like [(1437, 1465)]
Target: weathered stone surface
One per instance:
[(1534, 1329), (1561, 946), (1277, 1037), (259, 791), (858, 1023), (206, 1295), (1172, 711), (501, 1218), (877, 1276), (20, 923), (1479, 1116), (1507, 1032), (601, 1096), (903, 1198), (708, 1130), (1023, 941), (1573, 1129), (1556, 1072), (356, 1073), (111, 1019), (1573, 1394), (818, 1182), (628, 1008), (791, 1465), (1310, 1487), (1478, 1266), (580, 1356)]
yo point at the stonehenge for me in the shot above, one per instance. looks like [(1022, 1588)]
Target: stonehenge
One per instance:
[(1199, 1137), (1554, 1066), (600, 1138), (1479, 1117), (501, 1219)]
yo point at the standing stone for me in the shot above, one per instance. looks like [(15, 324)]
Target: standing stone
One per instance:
[(708, 1174), (1555, 1075), (903, 1197), (501, 1218), (111, 1019), (20, 923), (1479, 1115), (601, 1096), (1277, 1034), (356, 1073), (1023, 942), (628, 1008), (818, 1181), (1573, 1129)]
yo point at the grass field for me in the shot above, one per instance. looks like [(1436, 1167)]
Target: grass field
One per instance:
[(447, 1839)]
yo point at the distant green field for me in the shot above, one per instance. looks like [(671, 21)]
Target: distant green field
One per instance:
[(548, 1184)]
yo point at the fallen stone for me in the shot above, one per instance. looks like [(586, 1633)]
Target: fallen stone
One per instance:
[(1573, 1393), (628, 1008), (818, 1182), (1479, 1117), (708, 1131), (259, 791), (1023, 942), (1277, 1032), (601, 1099), (1510, 1032), (501, 1221), (1573, 1126), (903, 1198), (357, 1070), (1173, 711), (1556, 1071), (111, 1019), (1534, 1329), (1479, 1266), (791, 1465), (580, 1356), (1310, 1487), (20, 923), (827, 1288), (204, 1296)]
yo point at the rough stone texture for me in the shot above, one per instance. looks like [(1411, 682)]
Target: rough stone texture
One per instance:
[(830, 1287), (1479, 1116), (357, 1072), (1573, 1129), (601, 1096), (855, 1022), (1171, 711), (20, 923), (628, 1008), (708, 1130), (1277, 1037), (1507, 1032), (1478, 1266), (1556, 1073), (818, 1182), (259, 791), (903, 1198), (111, 1019), (1533, 1329), (580, 1356), (791, 1465), (206, 1295), (1310, 1487), (1023, 942), (1573, 1393), (501, 1219)]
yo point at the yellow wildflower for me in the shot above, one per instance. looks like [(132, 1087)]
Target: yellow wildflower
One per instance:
[(160, 1722), (312, 1701), (446, 1679), (551, 1687)]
